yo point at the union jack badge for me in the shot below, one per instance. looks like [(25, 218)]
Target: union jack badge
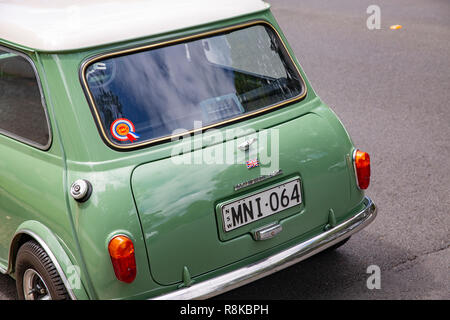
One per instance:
[(252, 163)]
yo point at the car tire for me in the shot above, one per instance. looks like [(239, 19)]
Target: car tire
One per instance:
[(36, 275)]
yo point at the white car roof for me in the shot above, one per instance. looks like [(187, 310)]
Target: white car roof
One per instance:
[(60, 25)]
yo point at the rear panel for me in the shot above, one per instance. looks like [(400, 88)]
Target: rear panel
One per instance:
[(180, 204)]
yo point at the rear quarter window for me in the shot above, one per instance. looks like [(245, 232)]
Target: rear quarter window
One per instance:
[(22, 114)]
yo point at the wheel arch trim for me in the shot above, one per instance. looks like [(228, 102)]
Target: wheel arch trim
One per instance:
[(49, 242)]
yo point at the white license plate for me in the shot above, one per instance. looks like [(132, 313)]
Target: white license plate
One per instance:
[(263, 204)]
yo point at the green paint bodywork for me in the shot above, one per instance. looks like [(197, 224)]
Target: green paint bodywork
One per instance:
[(170, 212)]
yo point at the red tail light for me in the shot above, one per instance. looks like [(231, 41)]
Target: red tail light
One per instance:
[(362, 167), (121, 250)]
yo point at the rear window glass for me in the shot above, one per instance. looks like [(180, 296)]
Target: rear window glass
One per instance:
[(150, 94)]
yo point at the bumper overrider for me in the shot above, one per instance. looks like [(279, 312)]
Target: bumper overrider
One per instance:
[(279, 261)]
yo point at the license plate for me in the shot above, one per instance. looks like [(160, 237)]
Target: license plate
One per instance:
[(260, 205)]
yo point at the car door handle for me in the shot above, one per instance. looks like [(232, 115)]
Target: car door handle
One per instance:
[(246, 144)]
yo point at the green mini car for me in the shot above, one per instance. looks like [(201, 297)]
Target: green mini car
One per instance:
[(163, 150)]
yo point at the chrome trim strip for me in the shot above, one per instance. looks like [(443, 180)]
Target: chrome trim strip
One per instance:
[(354, 167), (277, 262), (52, 258), (249, 183)]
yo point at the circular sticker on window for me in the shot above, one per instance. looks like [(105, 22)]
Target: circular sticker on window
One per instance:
[(123, 129)]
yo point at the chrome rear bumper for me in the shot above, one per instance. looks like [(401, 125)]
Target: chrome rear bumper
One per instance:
[(279, 261)]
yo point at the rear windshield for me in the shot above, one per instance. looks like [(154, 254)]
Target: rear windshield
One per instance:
[(150, 94)]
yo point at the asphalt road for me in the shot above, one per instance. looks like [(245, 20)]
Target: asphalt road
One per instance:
[(391, 89)]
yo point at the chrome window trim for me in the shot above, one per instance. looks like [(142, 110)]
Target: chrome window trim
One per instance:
[(16, 137), (354, 168), (154, 45)]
